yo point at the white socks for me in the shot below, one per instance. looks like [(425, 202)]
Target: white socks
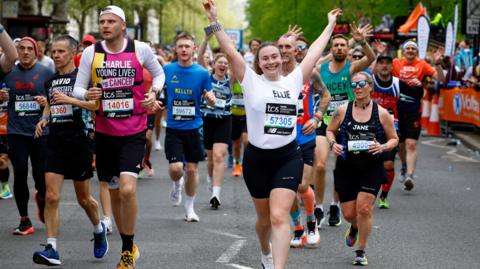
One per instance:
[(98, 228), (53, 242), (189, 203), (216, 191)]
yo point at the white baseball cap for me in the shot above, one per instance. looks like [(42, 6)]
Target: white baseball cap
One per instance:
[(113, 10)]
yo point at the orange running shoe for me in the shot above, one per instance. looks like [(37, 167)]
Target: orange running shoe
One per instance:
[(237, 171)]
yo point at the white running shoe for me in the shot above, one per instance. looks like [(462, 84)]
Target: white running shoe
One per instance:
[(164, 123), (298, 239), (157, 145), (313, 236), (108, 224), (176, 192), (192, 217), (267, 260)]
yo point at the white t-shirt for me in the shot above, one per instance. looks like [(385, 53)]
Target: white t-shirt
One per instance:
[(271, 108), (145, 56)]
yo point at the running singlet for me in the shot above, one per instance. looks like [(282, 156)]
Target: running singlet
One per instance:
[(271, 108), (339, 86), (238, 104), (223, 100), (64, 118), (3, 112), (120, 75), (411, 96), (387, 96), (184, 88), (356, 137), (24, 84), (305, 113)]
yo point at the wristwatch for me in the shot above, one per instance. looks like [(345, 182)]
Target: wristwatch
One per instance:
[(331, 143), (213, 28)]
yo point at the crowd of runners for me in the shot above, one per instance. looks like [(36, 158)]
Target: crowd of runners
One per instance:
[(276, 111)]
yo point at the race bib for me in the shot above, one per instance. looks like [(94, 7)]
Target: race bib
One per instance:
[(183, 110), (334, 105), (280, 119), (238, 102), (57, 111), (27, 108), (117, 104), (359, 145)]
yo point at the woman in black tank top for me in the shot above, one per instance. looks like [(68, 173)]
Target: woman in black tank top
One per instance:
[(359, 133)]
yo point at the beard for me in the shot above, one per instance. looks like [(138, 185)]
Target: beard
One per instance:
[(338, 57)]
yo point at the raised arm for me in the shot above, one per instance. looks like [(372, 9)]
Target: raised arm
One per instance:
[(316, 49), (9, 56), (237, 62), (201, 51), (360, 36)]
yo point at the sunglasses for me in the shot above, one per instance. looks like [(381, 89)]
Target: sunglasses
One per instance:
[(357, 57), (361, 83), (301, 47)]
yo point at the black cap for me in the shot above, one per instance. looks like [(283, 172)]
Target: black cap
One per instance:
[(384, 57)]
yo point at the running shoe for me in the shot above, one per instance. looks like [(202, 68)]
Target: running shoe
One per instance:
[(320, 216), (351, 240), (164, 123), (100, 243), (157, 145), (313, 236), (176, 192), (403, 174), (192, 217), (299, 239), (6, 193), (267, 260), (108, 223), (237, 170), (360, 258), (383, 203), (49, 256), (24, 228), (40, 207), (127, 261), (334, 218), (135, 252), (408, 183), (230, 161), (214, 202)]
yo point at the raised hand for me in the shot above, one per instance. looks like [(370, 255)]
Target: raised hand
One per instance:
[(294, 31), (380, 47), (360, 34), (210, 9), (333, 14)]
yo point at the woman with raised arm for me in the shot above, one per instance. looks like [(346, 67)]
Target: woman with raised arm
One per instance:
[(272, 160)]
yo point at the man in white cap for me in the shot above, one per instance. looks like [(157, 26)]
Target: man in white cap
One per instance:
[(412, 71), (114, 65)]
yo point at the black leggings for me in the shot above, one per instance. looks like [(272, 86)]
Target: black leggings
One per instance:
[(20, 147)]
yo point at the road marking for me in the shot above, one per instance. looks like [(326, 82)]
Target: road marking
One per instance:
[(452, 152), (239, 266), (234, 236), (232, 251)]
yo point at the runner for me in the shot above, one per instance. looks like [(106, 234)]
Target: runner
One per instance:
[(386, 92), (411, 70), (270, 101), (185, 85), (366, 131), (336, 76), (68, 156), (239, 136), (26, 98), (115, 67), (7, 62)]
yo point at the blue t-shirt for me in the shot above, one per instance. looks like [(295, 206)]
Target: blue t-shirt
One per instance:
[(184, 87), (24, 84), (223, 96)]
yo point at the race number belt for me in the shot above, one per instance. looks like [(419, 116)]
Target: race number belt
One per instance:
[(25, 105), (183, 109), (280, 119), (117, 104)]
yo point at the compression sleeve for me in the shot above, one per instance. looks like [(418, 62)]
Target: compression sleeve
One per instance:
[(84, 73)]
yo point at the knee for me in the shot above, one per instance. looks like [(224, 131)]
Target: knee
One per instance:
[(52, 198), (278, 218), (176, 170), (191, 172), (411, 145), (218, 157), (320, 166), (127, 192), (364, 211)]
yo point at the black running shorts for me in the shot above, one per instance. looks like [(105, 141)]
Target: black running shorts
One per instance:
[(216, 131), (409, 125), (119, 154), (70, 156), (322, 130), (308, 151), (350, 179), (239, 126), (184, 145), (268, 169), (390, 155)]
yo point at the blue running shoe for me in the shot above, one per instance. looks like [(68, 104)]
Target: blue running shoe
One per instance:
[(351, 237), (100, 243), (48, 256), (360, 258)]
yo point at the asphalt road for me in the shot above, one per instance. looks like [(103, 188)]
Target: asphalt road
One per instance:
[(434, 226)]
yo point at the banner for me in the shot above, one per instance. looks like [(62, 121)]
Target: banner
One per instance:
[(455, 24), (449, 40), (237, 36), (423, 33), (411, 22), (460, 105)]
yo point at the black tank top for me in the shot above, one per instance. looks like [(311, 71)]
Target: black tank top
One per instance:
[(357, 136)]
